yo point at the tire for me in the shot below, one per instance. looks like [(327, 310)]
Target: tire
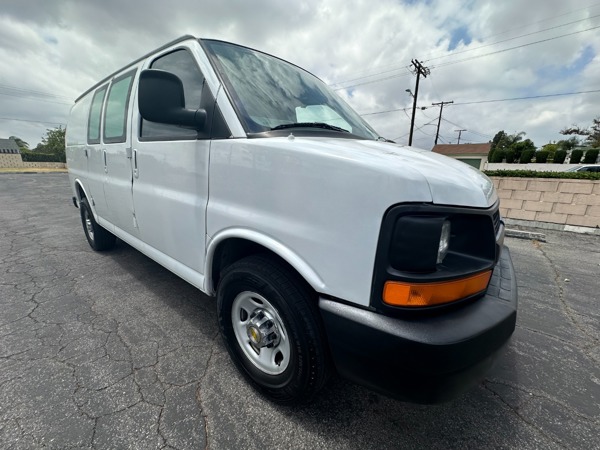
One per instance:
[(290, 362), (98, 238)]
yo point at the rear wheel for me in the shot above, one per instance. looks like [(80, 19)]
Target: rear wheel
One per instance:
[(272, 329), (98, 238)]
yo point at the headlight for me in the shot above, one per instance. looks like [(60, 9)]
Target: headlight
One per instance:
[(432, 255), (444, 242), (419, 243)]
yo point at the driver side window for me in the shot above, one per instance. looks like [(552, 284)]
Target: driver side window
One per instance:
[(182, 64)]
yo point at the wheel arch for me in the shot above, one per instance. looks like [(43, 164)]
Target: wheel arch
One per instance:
[(80, 190), (81, 193), (232, 245)]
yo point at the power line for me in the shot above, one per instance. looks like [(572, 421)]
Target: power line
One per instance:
[(31, 121), (493, 101), (512, 38), (373, 75), (469, 131), (449, 63), (34, 98), (383, 112), (31, 91), (486, 45), (373, 81), (527, 98)]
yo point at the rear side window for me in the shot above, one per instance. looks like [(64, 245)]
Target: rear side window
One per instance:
[(182, 64), (115, 113), (93, 133)]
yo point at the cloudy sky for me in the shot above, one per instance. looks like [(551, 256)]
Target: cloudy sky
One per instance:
[(476, 50)]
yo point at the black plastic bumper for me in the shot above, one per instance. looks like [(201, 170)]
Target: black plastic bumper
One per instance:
[(426, 359)]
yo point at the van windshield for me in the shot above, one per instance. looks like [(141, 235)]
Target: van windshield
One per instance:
[(269, 94)]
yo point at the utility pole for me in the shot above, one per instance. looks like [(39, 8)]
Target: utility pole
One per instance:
[(441, 104), (459, 132), (419, 69)]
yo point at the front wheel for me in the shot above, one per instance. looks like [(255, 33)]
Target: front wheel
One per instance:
[(98, 238), (272, 330)]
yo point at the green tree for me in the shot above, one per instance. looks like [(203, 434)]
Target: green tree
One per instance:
[(20, 142), (497, 142), (576, 156), (521, 146), (560, 156), (541, 156), (551, 149), (510, 156), (498, 155), (568, 144), (504, 142), (53, 143), (526, 156), (591, 133), (591, 156)]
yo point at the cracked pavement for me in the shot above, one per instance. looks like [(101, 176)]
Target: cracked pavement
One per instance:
[(110, 350)]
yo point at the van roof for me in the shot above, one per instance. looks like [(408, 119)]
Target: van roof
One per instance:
[(162, 47)]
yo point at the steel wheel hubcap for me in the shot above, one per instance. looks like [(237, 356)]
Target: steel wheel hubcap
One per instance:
[(260, 332), (89, 227)]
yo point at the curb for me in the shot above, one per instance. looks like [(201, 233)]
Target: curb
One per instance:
[(534, 224), (521, 234)]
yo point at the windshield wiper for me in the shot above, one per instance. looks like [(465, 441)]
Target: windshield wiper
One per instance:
[(326, 126)]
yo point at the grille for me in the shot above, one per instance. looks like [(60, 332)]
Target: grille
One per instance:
[(496, 219)]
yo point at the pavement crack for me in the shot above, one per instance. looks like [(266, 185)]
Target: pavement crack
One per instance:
[(521, 417), (567, 309), (199, 390)]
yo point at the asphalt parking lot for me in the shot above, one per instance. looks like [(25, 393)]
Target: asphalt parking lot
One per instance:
[(110, 350)]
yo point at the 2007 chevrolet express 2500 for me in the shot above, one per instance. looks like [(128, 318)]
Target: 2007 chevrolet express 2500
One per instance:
[(328, 248)]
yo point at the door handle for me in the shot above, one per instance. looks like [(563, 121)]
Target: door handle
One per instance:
[(135, 164), (104, 157)]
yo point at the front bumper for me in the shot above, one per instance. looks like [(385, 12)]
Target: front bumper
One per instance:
[(424, 359)]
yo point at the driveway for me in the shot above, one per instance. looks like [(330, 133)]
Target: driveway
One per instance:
[(110, 350)]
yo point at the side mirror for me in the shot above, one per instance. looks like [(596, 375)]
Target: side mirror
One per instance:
[(161, 99)]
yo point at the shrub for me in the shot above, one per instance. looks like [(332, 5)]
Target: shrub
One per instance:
[(559, 156), (541, 156), (498, 156), (526, 156), (536, 174), (591, 156), (576, 156), (41, 157), (510, 156)]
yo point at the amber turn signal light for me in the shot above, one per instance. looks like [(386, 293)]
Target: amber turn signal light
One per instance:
[(397, 293)]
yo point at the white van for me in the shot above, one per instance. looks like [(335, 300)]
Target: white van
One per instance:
[(328, 248)]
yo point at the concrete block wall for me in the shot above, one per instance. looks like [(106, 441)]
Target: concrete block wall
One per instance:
[(564, 202), (14, 161), (10, 160), (45, 165)]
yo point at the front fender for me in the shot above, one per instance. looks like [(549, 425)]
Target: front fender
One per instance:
[(287, 254)]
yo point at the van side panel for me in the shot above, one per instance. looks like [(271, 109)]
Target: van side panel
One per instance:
[(75, 140)]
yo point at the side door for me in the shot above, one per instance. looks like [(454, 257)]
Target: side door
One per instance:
[(117, 154), (170, 187), (95, 156)]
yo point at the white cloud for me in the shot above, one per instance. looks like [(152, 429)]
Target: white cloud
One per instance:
[(63, 47)]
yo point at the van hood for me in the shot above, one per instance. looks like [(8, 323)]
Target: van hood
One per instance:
[(450, 182)]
